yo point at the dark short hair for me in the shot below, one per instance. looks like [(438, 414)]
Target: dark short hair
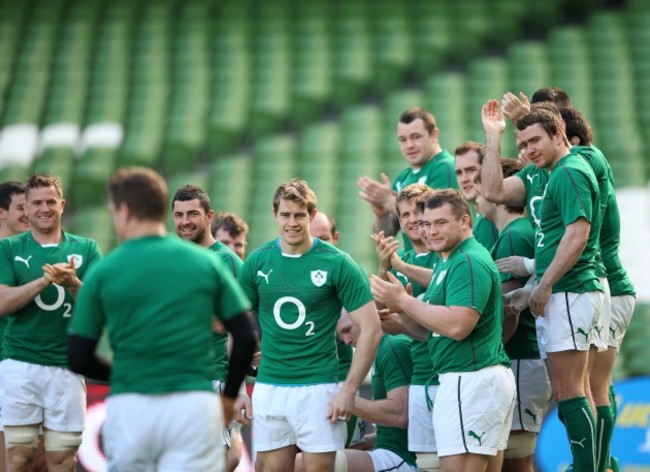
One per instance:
[(552, 94), (471, 146), (421, 201), (192, 192), (8, 190), (40, 180), (230, 223), (296, 191), (576, 124), (453, 197), (143, 190), (549, 121), (412, 114)]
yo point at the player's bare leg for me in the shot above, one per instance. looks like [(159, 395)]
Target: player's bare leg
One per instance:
[(464, 463), (277, 460)]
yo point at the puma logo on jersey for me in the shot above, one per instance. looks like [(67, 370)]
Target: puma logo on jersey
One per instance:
[(20, 259), (598, 329), (531, 414), (581, 331), (440, 277), (531, 177), (579, 443), (265, 276), (472, 434)]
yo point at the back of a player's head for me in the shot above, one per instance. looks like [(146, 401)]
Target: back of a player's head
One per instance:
[(468, 146), (421, 201), (412, 114), (576, 125), (142, 190), (552, 94), (453, 197), (549, 121), (192, 192), (230, 223), (296, 191), (410, 192), (40, 180), (8, 190)]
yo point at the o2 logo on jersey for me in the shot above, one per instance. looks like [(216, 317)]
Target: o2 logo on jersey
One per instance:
[(302, 314), (60, 298), (441, 276)]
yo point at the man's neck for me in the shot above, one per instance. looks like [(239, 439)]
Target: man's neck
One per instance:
[(437, 150), (561, 152), (503, 218), (418, 246), (53, 237), (445, 254), (143, 229), (208, 240), (297, 250)]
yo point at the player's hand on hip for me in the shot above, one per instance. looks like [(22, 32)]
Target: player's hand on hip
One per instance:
[(243, 409), (341, 407)]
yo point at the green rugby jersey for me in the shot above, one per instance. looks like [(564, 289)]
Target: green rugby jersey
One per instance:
[(344, 354), (391, 370), (37, 333), (468, 278), (484, 231), (157, 297), (422, 367), (3, 323), (220, 341), (535, 181), (438, 173), (298, 300), (571, 193), (518, 239)]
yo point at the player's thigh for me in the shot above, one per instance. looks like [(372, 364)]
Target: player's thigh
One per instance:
[(276, 460), (569, 321), (64, 401), (421, 437), (622, 308), (464, 463), (568, 372), (534, 394), (21, 392), (459, 411)]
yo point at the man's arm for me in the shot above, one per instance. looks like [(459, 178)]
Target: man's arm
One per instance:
[(83, 360), (14, 298), (455, 322), (568, 252), (420, 275), (510, 318), (494, 188), (391, 411), (367, 319), (382, 201)]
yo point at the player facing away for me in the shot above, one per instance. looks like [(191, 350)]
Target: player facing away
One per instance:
[(462, 312), (40, 274), (157, 296), (297, 286)]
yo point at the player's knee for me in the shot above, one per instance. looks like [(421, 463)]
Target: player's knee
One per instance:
[(428, 462), (521, 445), (62, 440), (21, 436), (340, 462)]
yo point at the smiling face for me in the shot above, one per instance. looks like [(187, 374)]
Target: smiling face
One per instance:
[(45, 209), (415, 143), (444, 231), (540, 148), (13, 220), (293, 222), (467, 167), (408, 219), (191, 221), (236, 243)]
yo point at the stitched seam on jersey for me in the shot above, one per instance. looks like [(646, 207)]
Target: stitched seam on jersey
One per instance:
[(573, 184), (460, 415), (568, 311), (399, 363)]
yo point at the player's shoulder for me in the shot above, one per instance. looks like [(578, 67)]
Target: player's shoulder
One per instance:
[(473, 256), (262, 253), (12, 242)]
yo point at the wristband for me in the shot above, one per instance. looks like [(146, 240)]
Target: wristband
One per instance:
[(529, 265)]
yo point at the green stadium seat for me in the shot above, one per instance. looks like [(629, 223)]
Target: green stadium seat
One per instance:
[(231, 183), (91, 176), (95, 222), (59, 162)]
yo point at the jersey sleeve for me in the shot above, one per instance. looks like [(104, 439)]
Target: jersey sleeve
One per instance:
[(231, 299), (572, 193), (353, 288), (7, 275), (247, 281), (88, 317), (468, 285), (394, 363), (94, 254)]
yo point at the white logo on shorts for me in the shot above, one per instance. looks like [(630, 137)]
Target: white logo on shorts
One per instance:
[(76, 260), (318, 277), (20, 259)]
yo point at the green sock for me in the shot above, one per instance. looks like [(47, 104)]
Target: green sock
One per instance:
[(581, 429), (613, 464), (612, 402), (604, 432)]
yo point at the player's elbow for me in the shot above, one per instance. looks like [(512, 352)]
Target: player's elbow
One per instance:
[(402, 418), (459, 332)]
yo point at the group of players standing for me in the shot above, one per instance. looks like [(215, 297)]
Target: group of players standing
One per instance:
[(507, 293)]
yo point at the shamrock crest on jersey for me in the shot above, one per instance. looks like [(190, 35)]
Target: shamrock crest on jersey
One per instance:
[(318, 277), (76, 260)]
